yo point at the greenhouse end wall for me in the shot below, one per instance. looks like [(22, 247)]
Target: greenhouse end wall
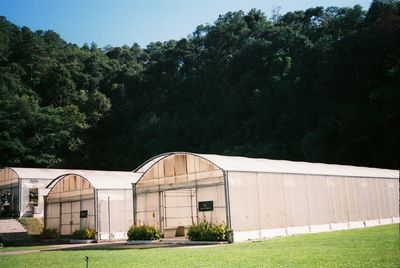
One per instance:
[(114, 213), (73, 203), (170, 191), (64, 203), (9, 185), (268, 204)]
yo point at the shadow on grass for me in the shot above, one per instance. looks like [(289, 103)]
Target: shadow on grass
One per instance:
[(119, 246), (30, 243)]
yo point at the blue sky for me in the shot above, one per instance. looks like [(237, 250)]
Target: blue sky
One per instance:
[(119, 22)]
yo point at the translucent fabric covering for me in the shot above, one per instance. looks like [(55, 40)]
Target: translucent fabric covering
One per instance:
[(64, 203), (65, 216), (23, 184), (169, 192), (27, 205), (178, 169), (247, 164), (103, 179), (262, 197), (39, 173), (9, 184), (8, 177), (260, 201), (115, 213), (74, 203)]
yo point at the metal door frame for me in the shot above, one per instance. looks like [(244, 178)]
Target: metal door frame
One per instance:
[(163, 208), (71, 223)]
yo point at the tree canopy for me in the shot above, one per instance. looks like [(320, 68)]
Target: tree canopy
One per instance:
[(320, 85)]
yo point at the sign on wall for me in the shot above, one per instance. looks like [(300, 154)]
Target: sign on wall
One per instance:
[(206, 205), (83, 214)]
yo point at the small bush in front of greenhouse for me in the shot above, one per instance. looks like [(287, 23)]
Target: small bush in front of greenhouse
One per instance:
[(207, 231), (49, 234), (84, 234), (143, 232)]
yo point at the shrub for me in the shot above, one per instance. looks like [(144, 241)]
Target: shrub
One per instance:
[(49, 234), (143, 232), (207, 231), (86, 233), (33, 226)]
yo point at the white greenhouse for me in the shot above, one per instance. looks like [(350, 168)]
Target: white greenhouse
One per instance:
[(100, 200), (24, 189), (260, 198)]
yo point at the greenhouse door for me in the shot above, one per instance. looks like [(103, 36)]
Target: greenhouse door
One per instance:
[(70, 220), (178, 208)]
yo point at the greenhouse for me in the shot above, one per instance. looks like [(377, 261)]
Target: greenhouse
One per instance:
[(260, 198), (99, 200), (22, 190)]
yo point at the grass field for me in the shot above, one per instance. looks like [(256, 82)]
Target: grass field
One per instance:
[(19, 248), (369, 247)]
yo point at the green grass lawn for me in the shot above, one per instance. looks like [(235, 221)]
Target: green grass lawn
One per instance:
[(12, 249), (370, 247)]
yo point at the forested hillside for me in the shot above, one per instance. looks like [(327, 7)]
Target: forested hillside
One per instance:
[(320, 85)]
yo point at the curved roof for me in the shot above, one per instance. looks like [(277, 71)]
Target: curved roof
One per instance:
[(38, 173), (246, 164), (103, 179), (150, 162)]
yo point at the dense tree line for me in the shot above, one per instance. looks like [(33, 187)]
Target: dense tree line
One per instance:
[(317, 85)]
